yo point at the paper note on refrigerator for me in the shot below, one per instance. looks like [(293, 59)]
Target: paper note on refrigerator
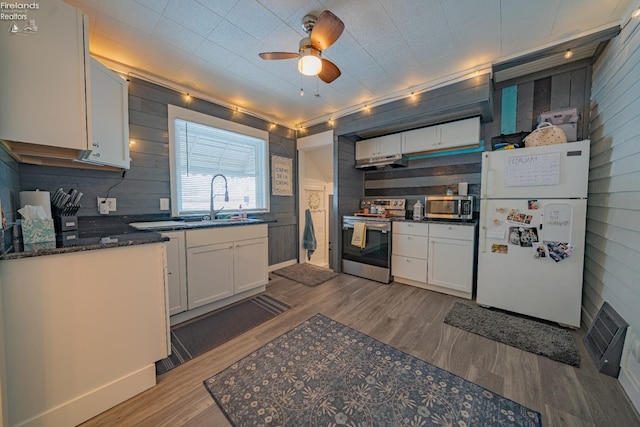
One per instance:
[(556, 224), (532, 170), (495, 233)]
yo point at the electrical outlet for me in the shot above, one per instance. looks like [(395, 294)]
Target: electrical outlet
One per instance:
[(164, 204), (106, 205)]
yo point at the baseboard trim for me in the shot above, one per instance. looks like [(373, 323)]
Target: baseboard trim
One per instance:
[(281, 265), (89, 405)]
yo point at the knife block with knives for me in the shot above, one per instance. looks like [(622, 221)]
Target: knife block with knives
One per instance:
[(65, 206)]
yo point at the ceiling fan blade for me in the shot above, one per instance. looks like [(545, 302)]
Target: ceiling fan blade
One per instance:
[(329, 71), (278, 55), (326, 30)]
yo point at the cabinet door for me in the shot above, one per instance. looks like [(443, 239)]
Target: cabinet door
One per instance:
[(418, 140), (44, 98), (110, 118), (251, 259), (367, 148), (210, 273), (462, 133), (451, 263), (409, 268), (177, 272), (411, 246), (390, 145)]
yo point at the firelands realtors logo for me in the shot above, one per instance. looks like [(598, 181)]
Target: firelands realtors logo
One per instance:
[(17, 12)]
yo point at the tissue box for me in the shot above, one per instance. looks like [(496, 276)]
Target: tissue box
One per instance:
[(37, 231), (566, 119)]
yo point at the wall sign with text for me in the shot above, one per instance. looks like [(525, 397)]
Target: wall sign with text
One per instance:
[(281, 176)]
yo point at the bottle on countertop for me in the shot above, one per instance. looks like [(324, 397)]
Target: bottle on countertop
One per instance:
[(242, 214), (417, 211)]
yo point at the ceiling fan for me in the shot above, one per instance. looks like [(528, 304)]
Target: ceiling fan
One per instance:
[(322, 32)]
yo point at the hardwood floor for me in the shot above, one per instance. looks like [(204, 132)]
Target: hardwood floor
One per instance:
[(411, 320)]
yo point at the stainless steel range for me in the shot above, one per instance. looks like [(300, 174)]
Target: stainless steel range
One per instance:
[(373, 261)]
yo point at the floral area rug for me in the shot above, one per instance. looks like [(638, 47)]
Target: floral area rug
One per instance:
[(323, 373)]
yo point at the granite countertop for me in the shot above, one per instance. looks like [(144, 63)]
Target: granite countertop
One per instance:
[(472, 222), (84, 242)]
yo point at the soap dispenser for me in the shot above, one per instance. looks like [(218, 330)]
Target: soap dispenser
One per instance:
[(417, 211)]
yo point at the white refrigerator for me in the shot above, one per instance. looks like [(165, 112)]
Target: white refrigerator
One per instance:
[(532, 231)]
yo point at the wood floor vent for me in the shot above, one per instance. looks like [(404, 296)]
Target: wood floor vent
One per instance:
[(605, 339)]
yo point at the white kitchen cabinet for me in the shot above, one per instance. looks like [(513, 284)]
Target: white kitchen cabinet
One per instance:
[(82, 331), (463, 133), (451, 258), (210, 273), (110, 118), (458, 134), (44, 76), (409, 252), (439, 257), (250, 263), (224, 262), (423, 139), (381, 146), (176, 271)]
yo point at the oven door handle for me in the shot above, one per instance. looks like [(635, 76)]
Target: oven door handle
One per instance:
[(385, 228)]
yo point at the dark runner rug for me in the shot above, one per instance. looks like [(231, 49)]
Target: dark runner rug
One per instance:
[(522, 332), (199, 335), (307, 274), (324, 373)]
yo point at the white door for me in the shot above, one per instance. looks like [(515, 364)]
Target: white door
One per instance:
[(517, 270), (315, 202), (551, 171)]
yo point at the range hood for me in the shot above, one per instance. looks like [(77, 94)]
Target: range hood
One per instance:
[(382, 162)]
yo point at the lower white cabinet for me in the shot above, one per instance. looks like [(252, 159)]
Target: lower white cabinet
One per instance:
[(451, 253), (409, 257), (176, 272), (439, 257), (77, 343), (223, 262)]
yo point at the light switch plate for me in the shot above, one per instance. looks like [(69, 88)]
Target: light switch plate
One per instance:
[(164, 204)]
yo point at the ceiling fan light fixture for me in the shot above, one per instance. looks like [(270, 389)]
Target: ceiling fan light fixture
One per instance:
[(309, 62)]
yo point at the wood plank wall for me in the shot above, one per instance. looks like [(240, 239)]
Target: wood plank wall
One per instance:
[(147, 181), (612, 253)]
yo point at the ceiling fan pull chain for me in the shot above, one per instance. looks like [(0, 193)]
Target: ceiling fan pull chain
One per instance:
[(317, 95), (301, 88)]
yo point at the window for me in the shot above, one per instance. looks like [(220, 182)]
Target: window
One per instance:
[(201, 146)]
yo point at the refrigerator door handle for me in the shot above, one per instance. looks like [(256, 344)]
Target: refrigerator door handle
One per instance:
[(485, 176), (483, 226)]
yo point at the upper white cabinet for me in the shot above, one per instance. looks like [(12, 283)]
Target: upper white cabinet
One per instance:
[(462, 133), (381, 146), (110, 118), (423, 139), (43, 80)]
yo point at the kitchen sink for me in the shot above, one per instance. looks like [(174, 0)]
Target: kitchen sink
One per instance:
[(186, 225), (214, 222)]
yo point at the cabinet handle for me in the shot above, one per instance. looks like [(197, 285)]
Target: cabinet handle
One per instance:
[(95, 154), (169, 273), (96, 144)]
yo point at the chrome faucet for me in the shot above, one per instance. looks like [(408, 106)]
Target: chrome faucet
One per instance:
[(212, 212)]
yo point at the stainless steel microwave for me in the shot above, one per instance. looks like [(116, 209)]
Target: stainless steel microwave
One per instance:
[(449, 207)]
